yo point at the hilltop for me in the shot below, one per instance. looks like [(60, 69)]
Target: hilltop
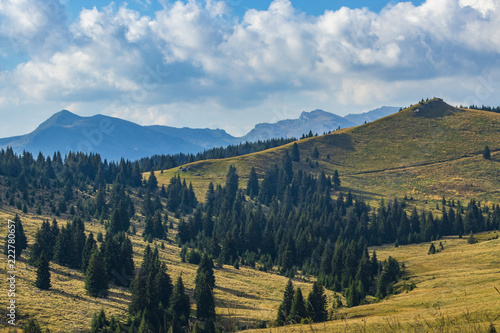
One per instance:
[(425, 151)]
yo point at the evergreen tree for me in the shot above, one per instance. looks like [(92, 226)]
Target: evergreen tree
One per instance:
[(432, 249), (87, 251), (207, 266), (315, 153), (20, 239), (205, 305), (336, 180), (96, 279), (286, 304), (43, 273), (487, 153), (253, 184), (295, 152), (231, 188), (298, 310), (152, 182), (179, 303)]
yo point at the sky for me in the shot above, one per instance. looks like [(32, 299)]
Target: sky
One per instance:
[(235, 63)]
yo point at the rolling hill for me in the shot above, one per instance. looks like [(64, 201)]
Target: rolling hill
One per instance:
[(425, 151)]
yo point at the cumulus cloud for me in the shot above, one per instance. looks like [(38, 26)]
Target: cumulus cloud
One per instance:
[(213, 63)]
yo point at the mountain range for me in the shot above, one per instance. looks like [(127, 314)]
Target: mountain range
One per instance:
[(115, 138)]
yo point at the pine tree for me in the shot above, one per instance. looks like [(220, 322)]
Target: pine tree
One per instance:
[(87, 251), (315, 153), (20, 239), (43, 273), (336, 180), (231, 188), (179, 303), (96, 279), (432, 249), (298, 310), (253, 184), (205, 305), (316, 303), (487, 153), (295, 152), (286, 305), (152, 181), (206, 265)]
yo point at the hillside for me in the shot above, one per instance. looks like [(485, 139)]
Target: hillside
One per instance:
[(453, 293), (425, 151)]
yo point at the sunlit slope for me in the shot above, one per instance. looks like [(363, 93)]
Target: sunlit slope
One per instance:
[(426, 150), (455, 292)]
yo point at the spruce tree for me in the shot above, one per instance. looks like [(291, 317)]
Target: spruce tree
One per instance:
[(205, 305), (487, 153), (206, 265), (21, 241), (179, 303), (286, 304), (152, 181), (316, 303), (96, 279), (253, 184), (43, 273), (295, 152), (87, 251), (298, 310)]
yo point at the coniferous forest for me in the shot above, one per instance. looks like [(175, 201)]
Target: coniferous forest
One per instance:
[(284, 221)]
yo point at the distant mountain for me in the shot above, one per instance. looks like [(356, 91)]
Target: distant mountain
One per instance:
[(372, 115), (317, 121), (115, 138), (112, 138)]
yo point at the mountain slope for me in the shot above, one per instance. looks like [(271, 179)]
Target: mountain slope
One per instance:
[(425, 151)]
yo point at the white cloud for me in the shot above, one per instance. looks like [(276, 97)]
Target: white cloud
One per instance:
[(218, 65)]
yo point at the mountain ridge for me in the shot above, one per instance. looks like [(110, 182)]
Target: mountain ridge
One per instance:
[(115, 138)]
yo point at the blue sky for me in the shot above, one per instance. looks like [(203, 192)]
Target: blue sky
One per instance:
[(232, 64)]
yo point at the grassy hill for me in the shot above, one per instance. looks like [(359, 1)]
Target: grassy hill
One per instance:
[(243, 296), (455, 291), (425, 151)]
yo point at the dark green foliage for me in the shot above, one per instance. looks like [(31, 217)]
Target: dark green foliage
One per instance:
[(253, 184), (87, 251), (316, 304), (205, 305), (286, 305), (432, 249), (152, 181), (389, 275), (298, 310), (295, 152), (179, 303), (206, 265), (96, 278), (45, 239), (120, 218), (20, 241), (43, 273), (336, 180), (315, 153), (151, 291), (232, 182), (487, 153), (69, 244)]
